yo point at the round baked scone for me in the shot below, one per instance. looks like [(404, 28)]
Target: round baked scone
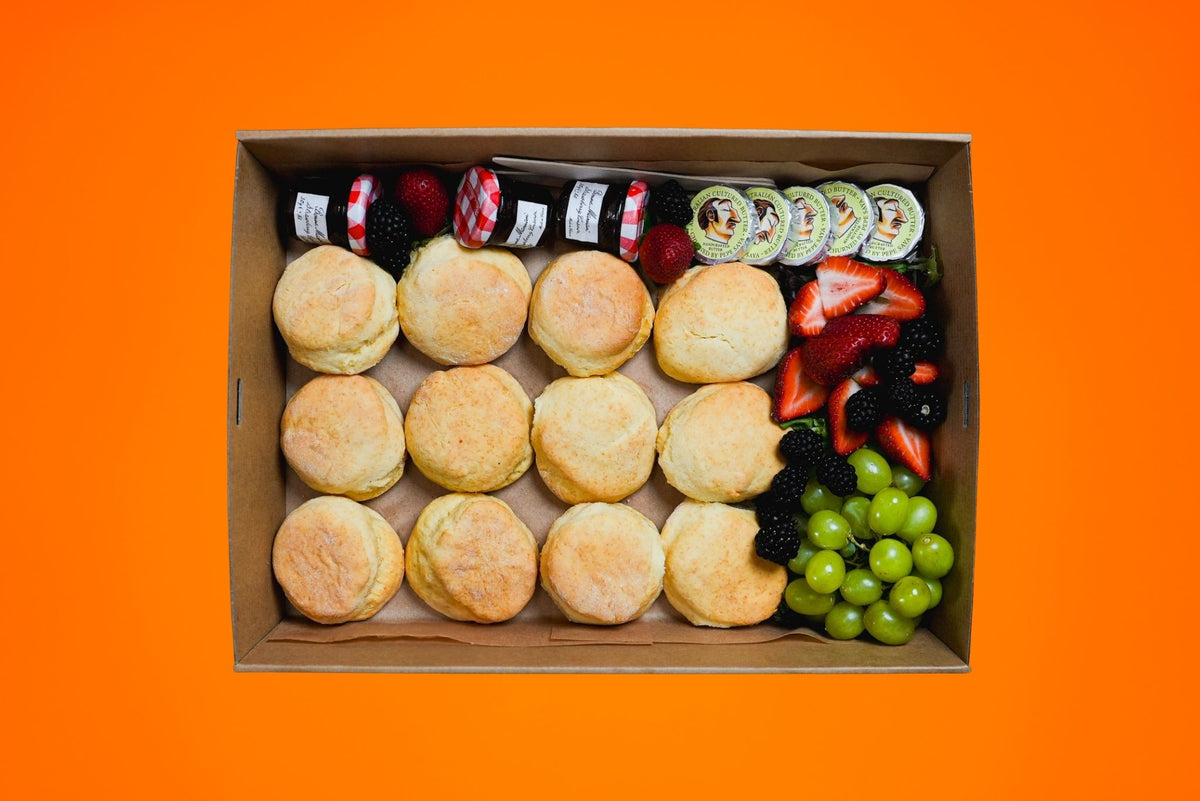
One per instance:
[(471, 558), (602, 563), (461, 305), (336, 311), (719, 443), (344, 435), (337, 560), (590, 312), (468, 428), (593, 438), (713, 577), (720, 322)]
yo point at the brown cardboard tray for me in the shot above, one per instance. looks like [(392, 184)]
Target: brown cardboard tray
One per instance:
[(269, 636)]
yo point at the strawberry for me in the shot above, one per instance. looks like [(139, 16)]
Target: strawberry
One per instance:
[(806, 318), (866, 376), (847, 284), (666, 253), (795, 393), (844, 343), (842, 438), (906, 444), (926, 373), (421, 193), (900, 299)]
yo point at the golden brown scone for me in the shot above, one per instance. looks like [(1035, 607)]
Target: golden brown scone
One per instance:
[(713, 577), (602, 563), (463, 306), (593, 438), (471, 558), (590, 312), (468, 429), (720, 322), (336, 311), (337, 560), (344, 435), (719, 443)]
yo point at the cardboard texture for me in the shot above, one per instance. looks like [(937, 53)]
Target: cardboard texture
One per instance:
[(406, 635)]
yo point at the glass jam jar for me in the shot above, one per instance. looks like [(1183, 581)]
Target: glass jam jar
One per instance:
[(330, 210), (490, 210), (609, 217)]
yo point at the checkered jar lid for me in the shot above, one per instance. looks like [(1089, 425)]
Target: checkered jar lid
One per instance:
[(633, 219), (476, 207), (365, 190)]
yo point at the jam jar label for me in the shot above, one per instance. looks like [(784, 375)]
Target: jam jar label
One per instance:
[(853, 216), (584, 208), (309, 217), (530, 224), (722, 224), (901, 222)]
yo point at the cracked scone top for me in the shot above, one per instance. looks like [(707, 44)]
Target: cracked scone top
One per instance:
[(720, 322)]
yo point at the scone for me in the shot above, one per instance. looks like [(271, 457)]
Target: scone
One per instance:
[(719, 443), (337, 560), (593, 438), (602, 563), (720, 322), (344, 435), (336, 311), (463, 306), (590, 312), (471, 558), (468, 429), (713, 577)]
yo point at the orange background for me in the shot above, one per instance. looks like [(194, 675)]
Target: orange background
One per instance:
[(119, 146)]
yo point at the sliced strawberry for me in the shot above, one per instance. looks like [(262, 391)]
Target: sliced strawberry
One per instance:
[(906, 444), (844, 344), (847, 284), (843, 439), (926, 373), (900, 299), (866, 376), (806, 318), (795, 393)]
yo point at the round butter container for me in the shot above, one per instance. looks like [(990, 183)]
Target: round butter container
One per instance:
[(723, 224), (901, 222), (811, 231), (853, 216), (774, 219)]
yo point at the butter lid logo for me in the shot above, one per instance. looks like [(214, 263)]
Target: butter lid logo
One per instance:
[(723, 224), (718, 219), (846, 215), (855, 217)]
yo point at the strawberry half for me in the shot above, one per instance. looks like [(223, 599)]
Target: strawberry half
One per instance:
[(840, 436), (795, 393), (806, 318), (906, 444), (900, 298), (866, 376), (844, 343), (926, 373), (847, 284)]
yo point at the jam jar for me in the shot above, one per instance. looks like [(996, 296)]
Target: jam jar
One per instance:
[(609, 217), (490, 210), (330, 210)]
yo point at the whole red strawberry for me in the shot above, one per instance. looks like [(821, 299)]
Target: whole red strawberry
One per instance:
[(844, 344), (666, 253), (421, 193)]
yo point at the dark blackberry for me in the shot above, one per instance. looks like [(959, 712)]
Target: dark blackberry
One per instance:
[(838, 474), (899, 395), (864, 409), (801, 446), (777, 543), (389, 235), (897, 362), (670, 204), (926, 410), (788, 485), (770, 510), (922, 336)]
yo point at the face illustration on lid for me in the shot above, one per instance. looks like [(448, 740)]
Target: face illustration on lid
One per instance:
[(846, 215), (891, 219), (802, 227), (718, 219), (768, 219)]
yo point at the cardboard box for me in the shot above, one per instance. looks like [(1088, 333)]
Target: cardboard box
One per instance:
[(264, 636)]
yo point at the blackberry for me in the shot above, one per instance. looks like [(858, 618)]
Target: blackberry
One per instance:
[(897, 362), (922, 336), (670, 204), (864, 409), (389, 235), (926, 410), (801, 446), (777, 543), (900, 395), (788, 485), (770, 510), (838, 474)]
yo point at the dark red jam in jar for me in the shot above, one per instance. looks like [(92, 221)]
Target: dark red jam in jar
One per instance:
[(490, 210), (608, 217), (329, 210)]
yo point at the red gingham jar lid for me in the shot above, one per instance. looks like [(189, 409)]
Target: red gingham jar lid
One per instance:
[(476, 207), (365, 190), (633, 218)]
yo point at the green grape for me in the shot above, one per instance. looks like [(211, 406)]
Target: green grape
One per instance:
[(817, 496), (854, 509), (891, 560), (935, 591), (803, 600), (861, 587), (825, 572), (932, 555), (844, 621), (910, 596), (796, 563), (906, 480), (920, 519), (887, 511), (874, 472), (848, 550), (828, 529), (888, 626)]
